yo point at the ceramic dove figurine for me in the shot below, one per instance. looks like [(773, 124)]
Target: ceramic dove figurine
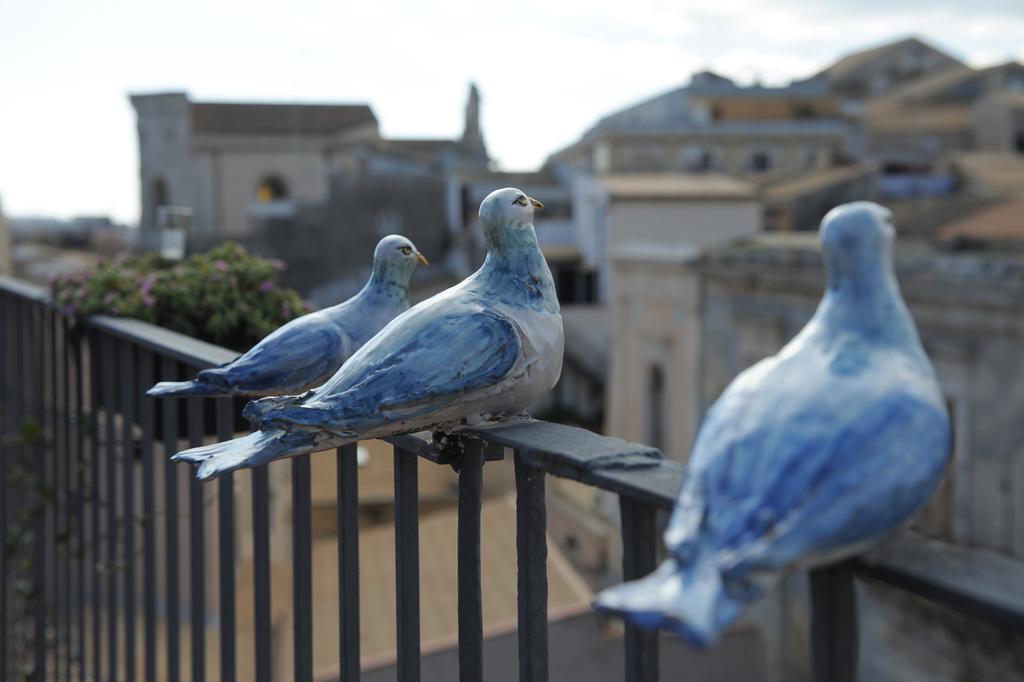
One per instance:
[(489, 346), (309, 349), (809, 456)]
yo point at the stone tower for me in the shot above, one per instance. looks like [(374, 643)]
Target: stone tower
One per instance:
[(472, 142)]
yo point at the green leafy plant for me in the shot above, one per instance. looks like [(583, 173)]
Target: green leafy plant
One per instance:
[(224, 296)]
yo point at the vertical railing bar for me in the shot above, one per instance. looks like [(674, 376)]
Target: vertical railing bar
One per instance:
[(15, 456), (145, 361), (21, 411), (302, 569), (96, 555), (58, 529), (69, 519), (834, 630), (348, 560), (532, 550), (40, 569), (53, 508), (129, 396), (81, 496), (226, 556), (261, 571), (6, 394), (197, 549), (169, 370), (41, 540), (471, 623), (639, 556), (407, 566), (110, 498)]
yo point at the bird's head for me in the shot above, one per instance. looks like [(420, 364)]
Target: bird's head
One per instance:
[(857, 241), (395, 258), (507, 216)]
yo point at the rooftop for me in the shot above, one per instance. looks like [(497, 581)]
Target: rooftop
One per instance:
[(567, 593), (991, 172), (850, 63), (1001, 223), (243, 118), (817, 180)]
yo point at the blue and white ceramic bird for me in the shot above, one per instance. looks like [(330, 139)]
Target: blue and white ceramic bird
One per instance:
[(489, 346), (809, 456), (309, 349)]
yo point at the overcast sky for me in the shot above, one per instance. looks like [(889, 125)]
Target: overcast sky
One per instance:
[(546, 69)]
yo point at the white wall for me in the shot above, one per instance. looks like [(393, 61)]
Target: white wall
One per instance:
[(656, 321), (698, 223)]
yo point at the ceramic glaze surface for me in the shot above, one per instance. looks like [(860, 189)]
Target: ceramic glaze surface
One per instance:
[(489, 346), (308, 350), (809, 456)]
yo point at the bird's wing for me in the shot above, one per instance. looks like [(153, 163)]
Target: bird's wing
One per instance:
[(299, 354), (782, 468), (420, 363)]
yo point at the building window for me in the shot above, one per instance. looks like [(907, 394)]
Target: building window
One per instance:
[(696, 159), (804, 110), (643, 158), (656, 407), (159, 196), (760, 161), (272, 188)]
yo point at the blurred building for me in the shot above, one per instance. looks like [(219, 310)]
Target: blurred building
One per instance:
[(875, 71), (714, 125), (236, 164), (912, 128)]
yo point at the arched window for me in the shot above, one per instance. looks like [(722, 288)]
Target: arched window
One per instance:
[(760, 161), (272, 188), (159, 196), (656, 407)]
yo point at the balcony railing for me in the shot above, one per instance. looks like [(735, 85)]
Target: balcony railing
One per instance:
[(84, 545)]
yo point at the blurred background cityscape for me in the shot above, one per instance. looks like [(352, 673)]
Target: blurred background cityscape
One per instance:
[(684, 158)]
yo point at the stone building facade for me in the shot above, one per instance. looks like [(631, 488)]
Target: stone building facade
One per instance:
[(714, 125), (238, 164)]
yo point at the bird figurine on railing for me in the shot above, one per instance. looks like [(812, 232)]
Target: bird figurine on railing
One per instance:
[(305, 352), (487, 347), (808, 457)]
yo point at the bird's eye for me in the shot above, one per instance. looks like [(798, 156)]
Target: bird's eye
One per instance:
[(406, 250), (521, 200)]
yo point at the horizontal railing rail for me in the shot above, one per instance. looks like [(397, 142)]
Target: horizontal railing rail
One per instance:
[(92, 583)]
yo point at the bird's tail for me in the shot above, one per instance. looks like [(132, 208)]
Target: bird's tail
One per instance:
[(171, 389), (690, 601), (257, 448)]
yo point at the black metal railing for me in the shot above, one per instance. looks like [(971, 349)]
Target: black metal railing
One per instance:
[(87, 554)]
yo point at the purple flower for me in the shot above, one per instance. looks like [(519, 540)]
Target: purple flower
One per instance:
[(221, 265), (148, 300), (148, 284), (277, 264), (266, 286), (286, 311)]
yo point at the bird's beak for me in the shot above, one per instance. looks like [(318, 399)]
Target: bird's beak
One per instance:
[(536, 204), (421, 259)]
